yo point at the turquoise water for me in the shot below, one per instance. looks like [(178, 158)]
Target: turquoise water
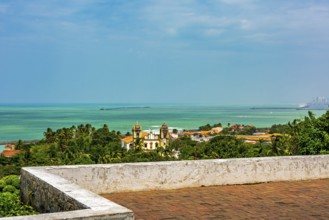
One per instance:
[(2, 147), (28, 122)]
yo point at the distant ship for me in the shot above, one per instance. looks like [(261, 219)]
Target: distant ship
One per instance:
[(320, 103)]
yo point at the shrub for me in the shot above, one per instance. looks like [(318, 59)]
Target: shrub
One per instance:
[(12, 180), (2, 184), (10, 188), (10, 205)]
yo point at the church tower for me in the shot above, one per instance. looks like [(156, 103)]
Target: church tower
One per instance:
[(164, 131), (164, 135), (137, 131)]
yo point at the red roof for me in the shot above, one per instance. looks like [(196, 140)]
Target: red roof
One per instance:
[(10, 153)]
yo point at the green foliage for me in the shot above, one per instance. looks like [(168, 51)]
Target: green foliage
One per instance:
[(12, 180), (208, 127), (2, 184), (226, 130), (280, 128), (85, 144), (248, 130), (218, 147), (227, 147), (9, 166), (236, 130), (10, 204), (311, 135), (280, 146), (10, 188)]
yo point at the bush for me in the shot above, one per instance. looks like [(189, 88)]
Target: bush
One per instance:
[(2, 184), (10, 188), (12, 180), (10, 205)]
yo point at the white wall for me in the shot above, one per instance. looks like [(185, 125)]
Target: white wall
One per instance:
[(47, 192), (51, 188), (179, 174)]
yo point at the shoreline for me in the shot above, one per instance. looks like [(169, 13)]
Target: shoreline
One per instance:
[(30, 124)]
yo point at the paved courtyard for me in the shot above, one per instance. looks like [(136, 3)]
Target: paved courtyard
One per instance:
[(277, 200)]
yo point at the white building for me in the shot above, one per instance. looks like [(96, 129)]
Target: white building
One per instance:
[(146, 140)]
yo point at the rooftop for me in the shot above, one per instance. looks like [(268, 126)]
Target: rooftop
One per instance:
[(10, 153), (276, 200), (128, 139)]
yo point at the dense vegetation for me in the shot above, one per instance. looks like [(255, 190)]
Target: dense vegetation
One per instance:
[(208, 127), (279, 128), (85, 144), (10, 203), (239, 130)]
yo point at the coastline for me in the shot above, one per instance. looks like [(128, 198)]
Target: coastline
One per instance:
[(29, 122)]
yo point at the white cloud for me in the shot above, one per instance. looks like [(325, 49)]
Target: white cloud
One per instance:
[(154, 20), (172, 18)]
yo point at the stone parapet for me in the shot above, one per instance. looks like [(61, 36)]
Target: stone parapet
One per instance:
[(109, 178), (70, 192), (49, 193)]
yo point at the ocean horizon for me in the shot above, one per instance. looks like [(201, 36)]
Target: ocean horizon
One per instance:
[(29, 121)]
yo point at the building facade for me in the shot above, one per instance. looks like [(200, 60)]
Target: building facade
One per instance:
[(146, 140)]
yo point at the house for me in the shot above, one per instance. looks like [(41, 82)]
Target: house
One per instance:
[(10, 151)]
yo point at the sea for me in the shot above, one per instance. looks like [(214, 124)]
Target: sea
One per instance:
[(30, 121)]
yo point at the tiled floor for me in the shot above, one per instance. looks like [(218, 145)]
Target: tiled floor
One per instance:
[(278, 200)]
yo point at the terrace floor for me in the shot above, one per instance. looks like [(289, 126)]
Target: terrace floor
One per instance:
[(276, 200)]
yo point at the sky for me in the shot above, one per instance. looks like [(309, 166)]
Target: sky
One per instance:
[(164, 51)]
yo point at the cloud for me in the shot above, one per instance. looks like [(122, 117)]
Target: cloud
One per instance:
[(173, 18), (294, 24), (175, 21)]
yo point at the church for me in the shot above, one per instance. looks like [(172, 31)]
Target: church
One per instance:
[(148, 140)]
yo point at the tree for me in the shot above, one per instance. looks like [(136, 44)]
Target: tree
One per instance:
[(311, 135), (278, 146), (49, 135), (280, 128), (206, 127), (226, 147), (101, 136)]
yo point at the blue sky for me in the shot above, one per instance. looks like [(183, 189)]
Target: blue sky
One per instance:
[(207, 52)]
